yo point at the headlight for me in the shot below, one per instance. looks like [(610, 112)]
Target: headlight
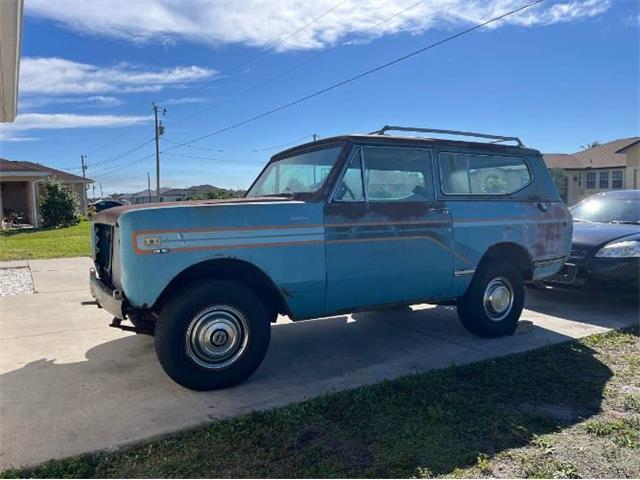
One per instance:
[(624, 249)]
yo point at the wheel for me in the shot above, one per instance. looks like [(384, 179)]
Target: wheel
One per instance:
[(493, 304), (212, 335)]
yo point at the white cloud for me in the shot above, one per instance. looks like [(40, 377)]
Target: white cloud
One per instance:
[(59, 76), (31, 102), (185, 100), (262, 23), (55, 121)]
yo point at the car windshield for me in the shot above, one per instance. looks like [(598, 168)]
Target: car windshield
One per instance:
[(608, 210), (300, 174)]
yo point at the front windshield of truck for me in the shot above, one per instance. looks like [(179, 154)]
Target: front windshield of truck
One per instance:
[(299, 174)]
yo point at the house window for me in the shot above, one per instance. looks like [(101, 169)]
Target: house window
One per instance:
[(603, 180), (591, 180), (616, 179)]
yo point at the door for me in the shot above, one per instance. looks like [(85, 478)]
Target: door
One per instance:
[(387, 239)]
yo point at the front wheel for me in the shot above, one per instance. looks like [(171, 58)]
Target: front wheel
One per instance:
[(212, 335), (493, 304)]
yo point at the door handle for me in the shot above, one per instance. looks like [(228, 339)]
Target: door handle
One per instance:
[(543, 206), (438, 210)]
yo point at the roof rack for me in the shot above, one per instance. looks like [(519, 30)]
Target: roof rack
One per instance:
[(496, 138)]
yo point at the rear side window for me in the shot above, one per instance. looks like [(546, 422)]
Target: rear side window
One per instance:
[(470, 174)]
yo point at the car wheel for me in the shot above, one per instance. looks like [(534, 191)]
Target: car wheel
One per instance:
[(212, 335), (494, 301)]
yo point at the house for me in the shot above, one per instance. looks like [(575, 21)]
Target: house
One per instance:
[(613, 165), (21, 185), (10, 42)]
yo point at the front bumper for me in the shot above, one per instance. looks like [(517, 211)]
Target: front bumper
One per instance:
[(108, 298), (606, 274)]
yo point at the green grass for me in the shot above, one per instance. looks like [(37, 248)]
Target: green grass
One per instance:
[(544, 413), (46, 243)]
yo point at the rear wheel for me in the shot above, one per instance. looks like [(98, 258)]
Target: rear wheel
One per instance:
[(493, 304), (212, 335)]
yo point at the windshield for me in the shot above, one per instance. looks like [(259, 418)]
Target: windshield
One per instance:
[(608, 210), (304, 173)]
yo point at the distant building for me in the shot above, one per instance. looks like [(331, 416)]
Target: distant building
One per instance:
[(167, 194), (613, 165), (21, 185)]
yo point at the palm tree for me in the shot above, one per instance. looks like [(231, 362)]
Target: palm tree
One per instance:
[(593, 144)]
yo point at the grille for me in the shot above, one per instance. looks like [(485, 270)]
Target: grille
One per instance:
[(104, 248), (578, 254)]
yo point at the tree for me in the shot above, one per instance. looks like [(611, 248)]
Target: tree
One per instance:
[(59, 205), (593, 144)]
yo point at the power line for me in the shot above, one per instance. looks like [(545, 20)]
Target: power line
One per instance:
[(198, 157), (255, 149), (357, 77), (343, 82), (121, 155), (269, 48), (305, 61)]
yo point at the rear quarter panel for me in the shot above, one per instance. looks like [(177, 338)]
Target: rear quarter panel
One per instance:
[(533, 218)]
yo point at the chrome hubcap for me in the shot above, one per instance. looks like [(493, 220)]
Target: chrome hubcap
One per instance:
[(498, 299), (217, 337)]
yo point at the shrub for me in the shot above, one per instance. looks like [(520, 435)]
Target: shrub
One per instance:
[(59, 205)]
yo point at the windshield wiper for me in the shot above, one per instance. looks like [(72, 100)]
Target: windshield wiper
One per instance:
[(626, 222), (283, 194)]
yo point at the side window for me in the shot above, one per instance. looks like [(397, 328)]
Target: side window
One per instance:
[(482, 174), (497, 175), (350, 188), (398, 174)]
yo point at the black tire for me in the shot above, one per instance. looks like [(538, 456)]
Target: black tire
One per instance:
[(477, 313), (189, 325)]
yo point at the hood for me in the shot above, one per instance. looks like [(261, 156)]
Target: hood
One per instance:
[(591, 236), (111, 215)]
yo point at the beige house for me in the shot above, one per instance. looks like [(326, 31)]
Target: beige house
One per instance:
[(21, 184), (610, 166)]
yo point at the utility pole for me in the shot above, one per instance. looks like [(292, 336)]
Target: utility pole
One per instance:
[(83, 162), (148, 187), (101, 194), (158, 131)]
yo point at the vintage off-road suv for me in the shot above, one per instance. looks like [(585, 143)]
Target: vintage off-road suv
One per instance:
[(338, 225)]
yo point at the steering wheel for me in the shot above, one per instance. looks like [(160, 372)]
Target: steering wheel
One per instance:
[(345, 189)]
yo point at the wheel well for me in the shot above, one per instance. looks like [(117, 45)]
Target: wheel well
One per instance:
[(230, 269), (514, 253)]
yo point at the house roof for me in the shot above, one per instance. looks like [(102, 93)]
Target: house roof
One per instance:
[(625, 148), (30, 168), (607, 155)]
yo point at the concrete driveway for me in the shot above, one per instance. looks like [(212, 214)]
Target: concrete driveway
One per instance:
[(70, 384)]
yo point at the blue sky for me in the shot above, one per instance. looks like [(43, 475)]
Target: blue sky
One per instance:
[(559, 75)]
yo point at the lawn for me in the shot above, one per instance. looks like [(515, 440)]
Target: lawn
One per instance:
[(46, 243), (564, 411)]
